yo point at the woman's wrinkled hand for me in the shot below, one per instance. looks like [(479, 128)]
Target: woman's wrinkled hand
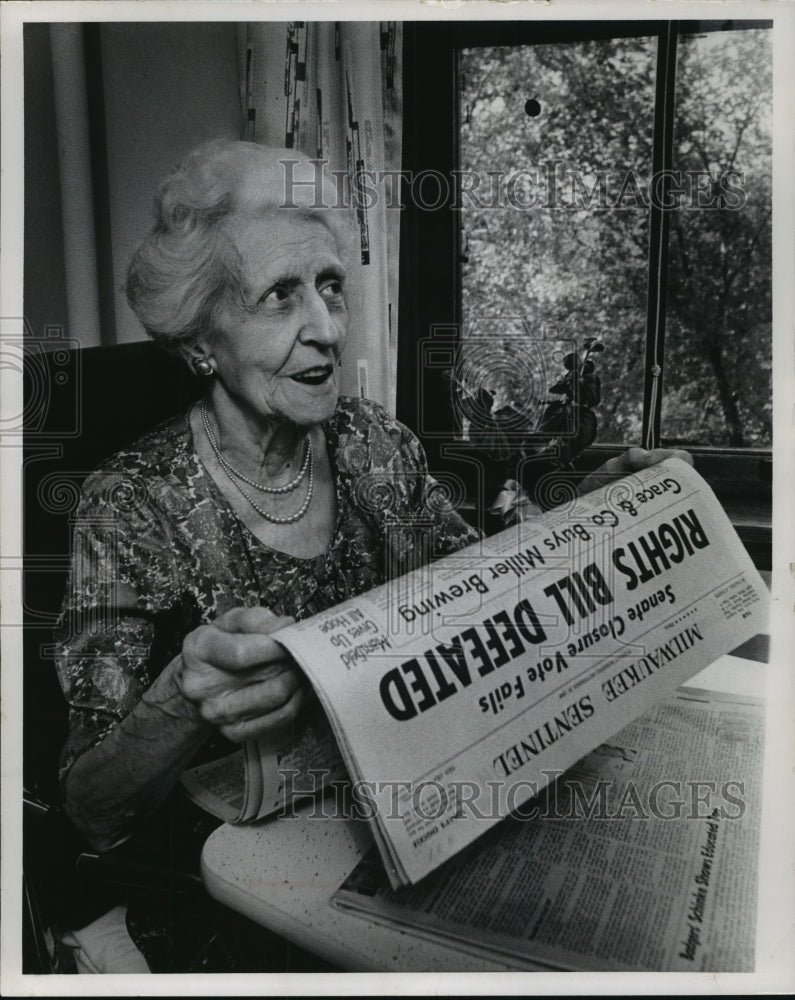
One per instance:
[(238, 678), (633, 460)]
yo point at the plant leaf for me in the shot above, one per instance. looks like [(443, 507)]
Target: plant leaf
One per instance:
[(586, 432), (590, 390)]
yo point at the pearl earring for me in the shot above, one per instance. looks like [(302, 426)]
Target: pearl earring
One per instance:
[(202, 366)]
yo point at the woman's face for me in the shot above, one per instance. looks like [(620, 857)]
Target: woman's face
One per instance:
[(275, 353)]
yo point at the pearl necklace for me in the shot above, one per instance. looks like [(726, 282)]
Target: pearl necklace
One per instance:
[(231, 473), (228, 468)]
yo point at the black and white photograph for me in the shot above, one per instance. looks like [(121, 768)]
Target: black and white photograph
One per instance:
[(397, 526)]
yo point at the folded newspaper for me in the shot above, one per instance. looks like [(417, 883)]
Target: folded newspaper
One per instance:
[(456, 692)]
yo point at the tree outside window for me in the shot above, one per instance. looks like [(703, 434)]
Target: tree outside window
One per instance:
[(555, 237)]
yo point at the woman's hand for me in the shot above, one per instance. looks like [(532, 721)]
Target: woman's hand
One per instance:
[(238, 678), (633, 460)]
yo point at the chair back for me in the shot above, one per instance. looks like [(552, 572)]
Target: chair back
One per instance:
[(80, 407)]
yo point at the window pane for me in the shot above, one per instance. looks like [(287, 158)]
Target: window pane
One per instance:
[(556, 159), (718, 364)]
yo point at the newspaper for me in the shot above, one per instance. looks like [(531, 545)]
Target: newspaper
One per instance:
[(456, 692), (641, 857)]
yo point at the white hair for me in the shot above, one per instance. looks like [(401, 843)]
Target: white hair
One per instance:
[(182, 271)]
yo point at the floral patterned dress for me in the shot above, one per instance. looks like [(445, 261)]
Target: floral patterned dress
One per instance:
[(158, 550)]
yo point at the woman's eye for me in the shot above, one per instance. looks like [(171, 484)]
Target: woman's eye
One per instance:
[(331, 288), (276, 295)]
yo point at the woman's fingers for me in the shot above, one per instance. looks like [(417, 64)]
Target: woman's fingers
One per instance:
[(248, 620), (274, 724), (260, 697), (238, 677), (229, 651), (632, 460), (635, 459)]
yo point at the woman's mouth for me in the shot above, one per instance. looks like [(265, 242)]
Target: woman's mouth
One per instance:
[(314, 376)]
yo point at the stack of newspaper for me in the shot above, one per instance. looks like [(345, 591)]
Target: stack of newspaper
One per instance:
[(641, 857), (263, 778)]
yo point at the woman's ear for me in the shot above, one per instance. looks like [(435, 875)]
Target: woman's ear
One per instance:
[(197, 359)]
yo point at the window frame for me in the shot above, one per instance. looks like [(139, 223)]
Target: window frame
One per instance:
[(430, 254)]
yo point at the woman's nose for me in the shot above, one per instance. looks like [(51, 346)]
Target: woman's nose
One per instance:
[(317, 324)]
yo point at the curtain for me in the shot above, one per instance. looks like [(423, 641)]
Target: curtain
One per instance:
[(77, 198), (333, 91)]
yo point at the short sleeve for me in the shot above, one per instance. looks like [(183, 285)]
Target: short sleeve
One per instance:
[(430, 503), (389, 468)]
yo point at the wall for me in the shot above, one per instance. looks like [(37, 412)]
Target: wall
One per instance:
[(168, 87)]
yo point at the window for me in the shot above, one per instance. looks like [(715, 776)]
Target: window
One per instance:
[(718, 368), (613, 179), (565, 134), (558, 128)]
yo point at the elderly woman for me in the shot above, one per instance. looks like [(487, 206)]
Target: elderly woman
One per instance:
[(194, 545)]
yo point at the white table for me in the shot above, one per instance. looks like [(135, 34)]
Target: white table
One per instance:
[(282, 873)]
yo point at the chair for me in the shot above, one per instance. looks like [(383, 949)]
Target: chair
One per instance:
[(80, 407)]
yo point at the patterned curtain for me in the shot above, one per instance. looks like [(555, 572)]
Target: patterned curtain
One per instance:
[(333, 91)]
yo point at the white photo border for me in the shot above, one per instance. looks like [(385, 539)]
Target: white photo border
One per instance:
[(776, 913)]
